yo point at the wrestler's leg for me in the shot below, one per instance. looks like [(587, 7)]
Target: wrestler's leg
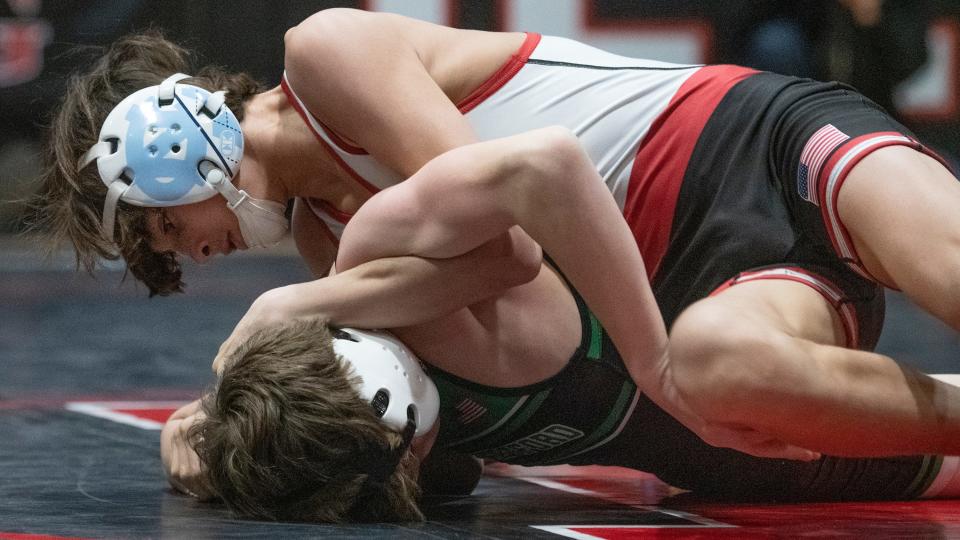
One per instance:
[(770, 355), (902, 211), (680, 458)]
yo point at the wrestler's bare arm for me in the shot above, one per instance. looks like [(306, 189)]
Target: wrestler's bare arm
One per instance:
[(393, 291), (402, 291), (543, 181), (364, 76), (385, 99)]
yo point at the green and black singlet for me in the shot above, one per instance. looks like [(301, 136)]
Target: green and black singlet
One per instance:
[(591, 413), (568, 418)]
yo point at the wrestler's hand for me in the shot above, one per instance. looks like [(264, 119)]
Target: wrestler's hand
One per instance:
[(750, 441), (267, 310), (180, 462), (662, 390)]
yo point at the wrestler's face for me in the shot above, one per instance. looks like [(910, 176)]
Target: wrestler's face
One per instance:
[(199, 230)]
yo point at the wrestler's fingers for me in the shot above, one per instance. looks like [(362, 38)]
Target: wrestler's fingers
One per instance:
[(196, 480), (187, 478), (754, 443), (175, 474), (171, 466), (218, 360)]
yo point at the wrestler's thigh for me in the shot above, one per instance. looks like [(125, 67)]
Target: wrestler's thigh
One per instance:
[(742, 341), (761, 307), (902, 210)]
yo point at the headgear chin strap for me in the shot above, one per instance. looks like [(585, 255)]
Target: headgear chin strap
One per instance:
[(262, 222), (392, 380), (173, 144)]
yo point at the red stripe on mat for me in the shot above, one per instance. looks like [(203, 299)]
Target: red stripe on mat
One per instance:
[(28, 536)]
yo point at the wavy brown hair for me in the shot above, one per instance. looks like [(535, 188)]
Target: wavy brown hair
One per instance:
[(69, 204), (287, 437)]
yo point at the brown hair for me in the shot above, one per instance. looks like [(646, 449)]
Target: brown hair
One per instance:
[(69, 204), (287, 436)]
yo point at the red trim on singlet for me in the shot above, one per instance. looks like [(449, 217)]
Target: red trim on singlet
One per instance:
[(335, 213), (846, 311), (291, 98), (341, 142), (839, 153), (663, 156), (30, 536), (503, 75)]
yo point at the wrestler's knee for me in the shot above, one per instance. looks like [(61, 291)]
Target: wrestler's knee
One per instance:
[(721, 361)]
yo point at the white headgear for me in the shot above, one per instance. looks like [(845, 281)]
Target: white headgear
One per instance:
[(392, 379), (172, 144)]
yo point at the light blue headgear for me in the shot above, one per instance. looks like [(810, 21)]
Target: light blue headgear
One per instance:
[(173, 144)]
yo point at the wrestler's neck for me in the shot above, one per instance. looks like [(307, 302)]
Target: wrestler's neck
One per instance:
[(284, 156), (422, 444)]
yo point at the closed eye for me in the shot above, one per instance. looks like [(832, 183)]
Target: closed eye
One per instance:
[(166, 226), (160, 237)]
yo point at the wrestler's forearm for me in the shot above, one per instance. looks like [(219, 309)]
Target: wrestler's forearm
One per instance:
[(403, 291)]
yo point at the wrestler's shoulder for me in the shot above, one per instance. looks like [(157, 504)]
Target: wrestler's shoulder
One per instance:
[(332, 22)]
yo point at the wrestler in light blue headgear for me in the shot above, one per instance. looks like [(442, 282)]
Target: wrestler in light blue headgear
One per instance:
[(173, 144)]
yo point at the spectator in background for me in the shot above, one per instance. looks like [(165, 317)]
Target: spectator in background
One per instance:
[(37, 41), (872, 45)]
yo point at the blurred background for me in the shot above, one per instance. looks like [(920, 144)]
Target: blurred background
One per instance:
[(901, 53)]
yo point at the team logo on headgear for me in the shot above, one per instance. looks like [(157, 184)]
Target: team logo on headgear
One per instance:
[(160, 153)]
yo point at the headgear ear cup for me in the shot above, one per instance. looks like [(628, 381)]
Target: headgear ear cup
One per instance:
[(386, 367)]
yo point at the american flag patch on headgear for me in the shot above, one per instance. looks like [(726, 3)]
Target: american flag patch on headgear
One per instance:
[(814, 155)]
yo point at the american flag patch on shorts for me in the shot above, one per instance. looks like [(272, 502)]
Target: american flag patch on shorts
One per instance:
[(814, 155)]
